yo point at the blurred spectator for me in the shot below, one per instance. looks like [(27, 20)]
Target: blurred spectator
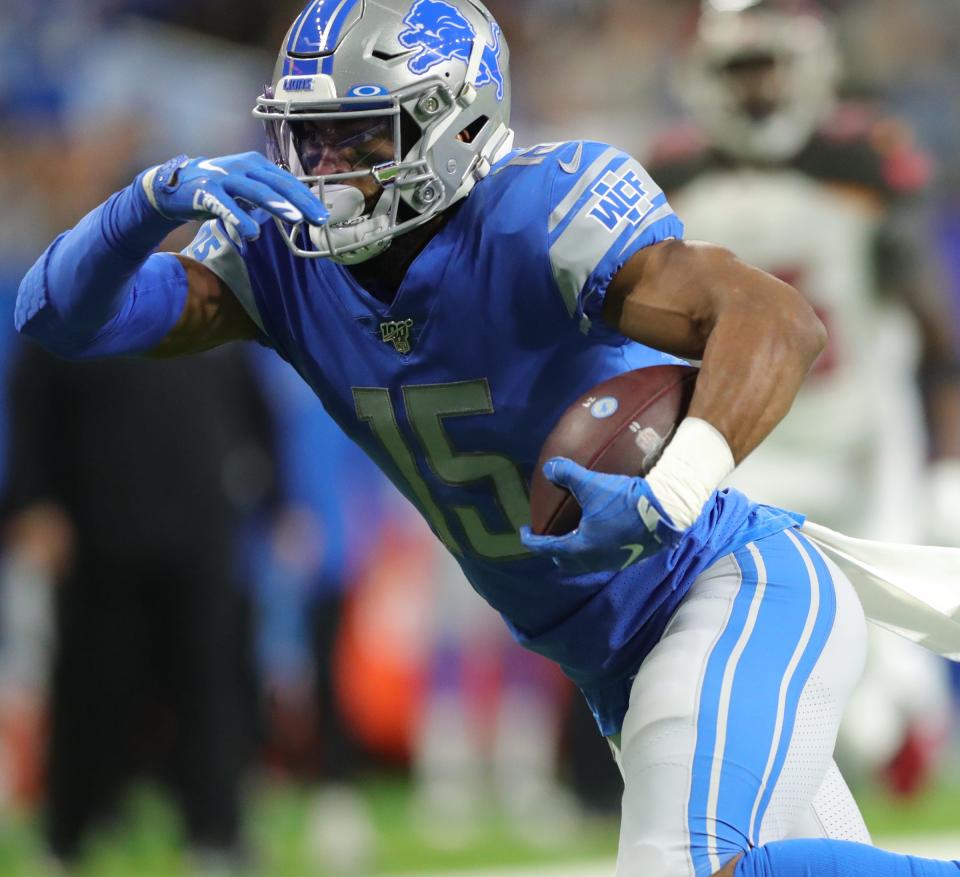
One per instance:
[(126, 483), (490, 726)]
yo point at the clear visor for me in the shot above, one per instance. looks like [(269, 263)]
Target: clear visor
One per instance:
[(344, 144), (330, 138), (325, 147), (335, 143)]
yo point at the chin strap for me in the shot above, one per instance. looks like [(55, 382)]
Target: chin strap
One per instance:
[(484, 163), (504, 138)]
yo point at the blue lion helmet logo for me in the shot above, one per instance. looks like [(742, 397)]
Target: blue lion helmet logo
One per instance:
[(441, 33)]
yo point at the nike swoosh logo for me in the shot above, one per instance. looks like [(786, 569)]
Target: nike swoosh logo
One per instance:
[(636, 551), (572, 166), (207, 165), (290, 213)]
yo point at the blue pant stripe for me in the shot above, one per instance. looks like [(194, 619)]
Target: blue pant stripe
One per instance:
[(297, 28), (333, 38), (781, 618), (318, 27), (700, 829), (821, 583)]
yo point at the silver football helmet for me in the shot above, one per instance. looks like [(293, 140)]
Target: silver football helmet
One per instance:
[(391, 110), (769, 119)]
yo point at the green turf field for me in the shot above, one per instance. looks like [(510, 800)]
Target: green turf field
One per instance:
[(147, 843)]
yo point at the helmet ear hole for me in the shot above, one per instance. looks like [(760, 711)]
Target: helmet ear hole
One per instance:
[(474, 129)]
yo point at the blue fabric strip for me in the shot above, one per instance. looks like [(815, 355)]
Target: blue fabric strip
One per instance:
[(699, 830), (318, 28), (826, 616), (298, 26), (757, 729), (90, 294), (837, 858)]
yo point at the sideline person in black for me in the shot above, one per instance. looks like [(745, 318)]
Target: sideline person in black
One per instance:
[(135, 475)]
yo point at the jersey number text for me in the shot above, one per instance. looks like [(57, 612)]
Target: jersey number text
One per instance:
[(427, 407)]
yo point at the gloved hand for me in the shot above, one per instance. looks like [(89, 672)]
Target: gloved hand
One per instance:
[(202, 188), (622, 521)]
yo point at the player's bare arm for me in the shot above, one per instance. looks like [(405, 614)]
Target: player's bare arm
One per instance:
[(756, 336), (211, 316)]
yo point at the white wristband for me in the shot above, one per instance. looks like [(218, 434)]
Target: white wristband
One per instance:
[(692, 467)]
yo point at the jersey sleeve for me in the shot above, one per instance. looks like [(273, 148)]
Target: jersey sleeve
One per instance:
[(228, 259), (604, 208)]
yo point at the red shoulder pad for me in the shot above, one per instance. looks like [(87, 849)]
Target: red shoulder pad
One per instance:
[(901, 164), (849, 122), (906, 167)]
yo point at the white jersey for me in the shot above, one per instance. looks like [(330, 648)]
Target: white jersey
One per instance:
[(854, 435)]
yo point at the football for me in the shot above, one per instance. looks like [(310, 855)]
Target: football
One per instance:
[(620, 427)]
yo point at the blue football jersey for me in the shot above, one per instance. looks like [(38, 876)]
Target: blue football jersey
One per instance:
[(454, 386)]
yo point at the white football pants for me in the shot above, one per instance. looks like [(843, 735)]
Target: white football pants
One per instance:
[(728, 740)]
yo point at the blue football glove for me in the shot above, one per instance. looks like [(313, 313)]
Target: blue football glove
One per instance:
[(622, 521), (202, 188)]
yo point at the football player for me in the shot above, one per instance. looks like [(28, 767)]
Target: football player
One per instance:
[(829, 197), (447, 295)]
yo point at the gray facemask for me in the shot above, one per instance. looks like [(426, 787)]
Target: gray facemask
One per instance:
[(429, 70)]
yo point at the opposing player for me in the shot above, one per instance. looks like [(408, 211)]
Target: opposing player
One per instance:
[(829, 196), (446, 296)]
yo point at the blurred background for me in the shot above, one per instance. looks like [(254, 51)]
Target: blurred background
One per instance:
[(227, 646)]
